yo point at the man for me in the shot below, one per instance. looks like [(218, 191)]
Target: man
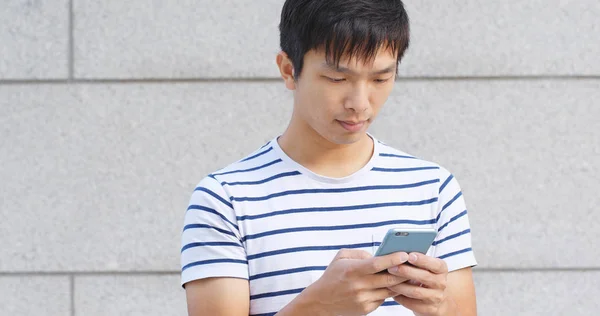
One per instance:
[(291, 229)]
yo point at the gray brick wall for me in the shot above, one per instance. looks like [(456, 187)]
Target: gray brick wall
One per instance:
[(111, 112)]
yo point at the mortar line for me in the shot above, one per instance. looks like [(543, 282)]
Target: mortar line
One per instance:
[(74, 274), (72, 280), (84, 273), (536, 269), (271, 79), (71, 42)]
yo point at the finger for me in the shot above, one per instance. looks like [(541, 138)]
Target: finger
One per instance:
[(381, 294), (352, 254), (435, 265), (413, 282), (384, 280), (417, 306), (429, 296), (429, 279), (380, 263)]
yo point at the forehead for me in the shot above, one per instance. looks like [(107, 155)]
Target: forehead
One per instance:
[(381, 59)]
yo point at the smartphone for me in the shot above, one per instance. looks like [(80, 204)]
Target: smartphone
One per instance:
[(407, 240)]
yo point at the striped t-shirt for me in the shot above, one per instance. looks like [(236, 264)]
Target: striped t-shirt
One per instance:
[(273, 222)]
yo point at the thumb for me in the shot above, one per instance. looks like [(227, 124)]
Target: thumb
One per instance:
[(352, 254)]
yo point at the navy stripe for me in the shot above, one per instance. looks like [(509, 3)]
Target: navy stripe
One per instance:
[(390, 303), (215, 196), (397, 156), (265, 314), (277, 176), (335, 209), (330, 228), (310, 248), (258, 155), (265, 145), (334, 190), (446, 183), (455, 253), (209, 244), (464, 232), (210, 210), (190, 226), (403, 169), (199, 263), (463, 213), (271, 294), (459, 194), (287, 271), (251, 169)]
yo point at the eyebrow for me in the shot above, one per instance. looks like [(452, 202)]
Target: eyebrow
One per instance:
[(329, 66)]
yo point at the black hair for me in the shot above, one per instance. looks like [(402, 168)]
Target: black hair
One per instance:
[(343, 28)]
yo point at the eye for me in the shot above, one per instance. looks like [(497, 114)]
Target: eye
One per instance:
[(336, 80), (381, 80)]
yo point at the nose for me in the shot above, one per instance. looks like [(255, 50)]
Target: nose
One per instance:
[(358, 99)]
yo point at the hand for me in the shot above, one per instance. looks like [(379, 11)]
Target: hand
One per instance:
[(352, 284), (425, 293)]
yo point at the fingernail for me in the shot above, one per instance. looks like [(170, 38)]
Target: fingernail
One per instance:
[(393, 269), (403, 256), (412, 258)]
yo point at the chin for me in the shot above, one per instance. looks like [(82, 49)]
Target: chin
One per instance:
[(346, 139)]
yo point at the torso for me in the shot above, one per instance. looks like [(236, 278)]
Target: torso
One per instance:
[(292, 226)]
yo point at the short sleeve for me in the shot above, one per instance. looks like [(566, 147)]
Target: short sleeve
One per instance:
[(210, 242), (453, 241)]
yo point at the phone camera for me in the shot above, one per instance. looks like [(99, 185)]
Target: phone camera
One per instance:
[(402, 234)]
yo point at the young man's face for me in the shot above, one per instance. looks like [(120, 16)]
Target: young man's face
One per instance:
[(339, 104)]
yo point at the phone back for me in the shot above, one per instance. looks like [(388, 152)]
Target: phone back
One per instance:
[(406, 240)]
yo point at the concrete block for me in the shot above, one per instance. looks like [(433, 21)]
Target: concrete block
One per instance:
[(31, 295), (503, 38), (233, 39), (34, 39), (135, 295), (189, 38), (551, 293)]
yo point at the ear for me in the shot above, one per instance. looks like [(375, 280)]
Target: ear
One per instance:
[(286, 68)]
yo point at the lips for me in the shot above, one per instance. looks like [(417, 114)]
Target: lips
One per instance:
[(352, 126)]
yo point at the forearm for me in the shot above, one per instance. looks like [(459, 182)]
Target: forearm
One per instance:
[(304, 304), (450, 308)]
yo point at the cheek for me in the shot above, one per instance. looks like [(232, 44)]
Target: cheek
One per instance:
[(320, 103), (379, 99)]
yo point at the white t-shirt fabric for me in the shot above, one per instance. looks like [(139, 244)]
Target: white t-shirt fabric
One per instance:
[(269, 220)]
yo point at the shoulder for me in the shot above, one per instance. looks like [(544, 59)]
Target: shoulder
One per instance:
[(391, 157), (249, 166)]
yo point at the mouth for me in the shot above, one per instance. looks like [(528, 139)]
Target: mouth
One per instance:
[(353, 126)]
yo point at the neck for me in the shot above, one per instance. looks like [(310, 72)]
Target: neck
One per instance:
[(308, 148)]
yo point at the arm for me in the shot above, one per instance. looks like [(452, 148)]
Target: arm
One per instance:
[(350, 285), (213, 259), (231, 297), (433, 291), (454, 244), (447, 279), (218, 296), (461, 290)]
